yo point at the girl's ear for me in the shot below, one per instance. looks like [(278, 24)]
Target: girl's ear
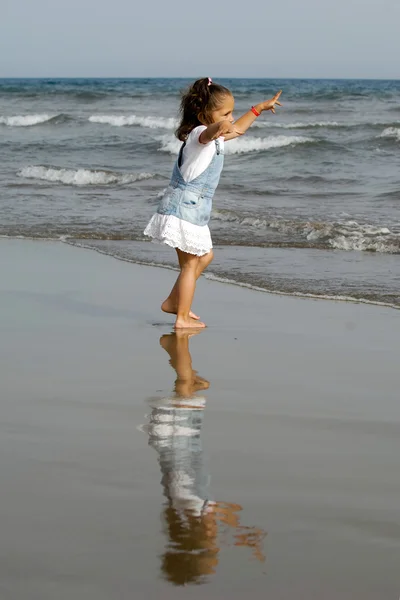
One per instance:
[(202, 118)]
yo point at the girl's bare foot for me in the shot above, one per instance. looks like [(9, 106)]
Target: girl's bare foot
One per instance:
[(188, 323), (167, 307)]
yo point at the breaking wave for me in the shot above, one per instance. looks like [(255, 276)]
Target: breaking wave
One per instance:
[(326, 124), (26, 120), (244, 145), (299, 125), (124, 121), (391, 132), (81, 176), (346, 235)]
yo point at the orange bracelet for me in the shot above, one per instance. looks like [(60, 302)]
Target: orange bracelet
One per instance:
[(255, 112)]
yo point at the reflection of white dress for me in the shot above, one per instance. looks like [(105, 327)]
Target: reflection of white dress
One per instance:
[(174, 430)]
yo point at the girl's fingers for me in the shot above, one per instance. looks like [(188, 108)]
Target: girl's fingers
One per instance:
[(278, 103)]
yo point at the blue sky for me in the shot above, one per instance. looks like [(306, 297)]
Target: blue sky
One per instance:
[(170, 38)]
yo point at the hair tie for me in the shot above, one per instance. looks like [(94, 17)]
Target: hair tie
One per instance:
[(209, 81)]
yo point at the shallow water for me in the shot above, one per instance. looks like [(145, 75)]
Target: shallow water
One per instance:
[(332, 274)]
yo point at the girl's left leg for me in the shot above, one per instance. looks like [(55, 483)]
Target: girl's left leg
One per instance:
[(170, 305)]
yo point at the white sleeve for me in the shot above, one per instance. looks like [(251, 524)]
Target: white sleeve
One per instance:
[(196, 156)]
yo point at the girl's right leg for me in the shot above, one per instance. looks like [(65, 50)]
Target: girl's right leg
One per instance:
[(185, 287), (171, 303)]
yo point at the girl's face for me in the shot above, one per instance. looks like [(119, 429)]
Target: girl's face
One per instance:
[(223, 112)]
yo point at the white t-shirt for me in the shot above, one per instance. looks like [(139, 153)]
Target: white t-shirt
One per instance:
[(197, 156)]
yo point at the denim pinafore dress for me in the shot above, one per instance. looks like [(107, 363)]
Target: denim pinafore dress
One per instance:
[(182, 217), (174, 430)]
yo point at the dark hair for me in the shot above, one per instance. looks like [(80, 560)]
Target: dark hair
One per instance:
[(200, 99), (192, 550)]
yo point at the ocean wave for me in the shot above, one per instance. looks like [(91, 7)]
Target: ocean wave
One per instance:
[(307, 110), (286, 233), (81, 176), (326, 125), (26, 120), (311, 179), (346, 235), (85, 96), (391, 132), (393, 195), (124, 121), (300, 125), (243, 145), (170, 144)]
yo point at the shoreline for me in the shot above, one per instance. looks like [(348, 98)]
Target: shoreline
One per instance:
[(213, 277), (209, 275)]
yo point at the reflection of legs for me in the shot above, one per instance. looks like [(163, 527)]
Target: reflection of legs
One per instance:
[(170, 305), (177, 345)]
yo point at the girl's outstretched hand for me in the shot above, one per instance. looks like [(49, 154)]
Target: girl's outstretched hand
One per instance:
[(226, 128), (270, 104)]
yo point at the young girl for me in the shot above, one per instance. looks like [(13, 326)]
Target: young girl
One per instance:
[(184, 211)]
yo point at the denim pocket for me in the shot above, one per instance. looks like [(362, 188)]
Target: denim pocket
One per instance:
[(191, 199)]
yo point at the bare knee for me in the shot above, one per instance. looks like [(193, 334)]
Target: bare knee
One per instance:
[(206, 259), (191, 262)]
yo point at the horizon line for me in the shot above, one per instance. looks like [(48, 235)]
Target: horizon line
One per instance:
[(93, 77)]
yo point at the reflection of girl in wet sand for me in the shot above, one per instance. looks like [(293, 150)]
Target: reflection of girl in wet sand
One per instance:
[(193, 521)]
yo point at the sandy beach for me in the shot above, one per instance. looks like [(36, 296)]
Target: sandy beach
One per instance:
[(297, 438)]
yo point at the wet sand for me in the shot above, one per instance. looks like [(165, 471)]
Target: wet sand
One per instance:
[(273, 470)]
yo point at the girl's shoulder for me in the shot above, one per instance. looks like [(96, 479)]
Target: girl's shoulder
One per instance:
[(193, 143), (194, 135), (196, 157)]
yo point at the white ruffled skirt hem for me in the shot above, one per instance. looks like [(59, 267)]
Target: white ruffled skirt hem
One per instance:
[(170, 230)]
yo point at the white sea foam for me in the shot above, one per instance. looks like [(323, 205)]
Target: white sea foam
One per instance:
[(391, 132), (251, 144), (345, 235), (25, 120), (80, 176), (324, 124), (277, 124), (368, 239), (170, 144), (123, 121), (350, 235), (242, 145)]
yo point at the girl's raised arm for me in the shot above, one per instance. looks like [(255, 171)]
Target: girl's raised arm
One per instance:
[(224, 128), (243, 123)]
